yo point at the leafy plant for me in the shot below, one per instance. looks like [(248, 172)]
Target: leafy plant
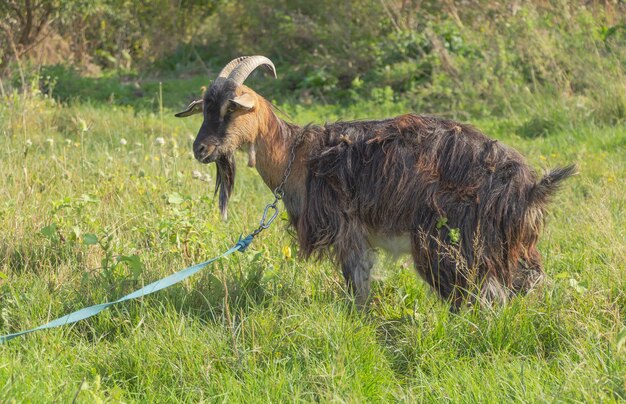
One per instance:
[(454, 234)]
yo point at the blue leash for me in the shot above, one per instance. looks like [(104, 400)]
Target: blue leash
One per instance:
[(269, 214), (170, 280)]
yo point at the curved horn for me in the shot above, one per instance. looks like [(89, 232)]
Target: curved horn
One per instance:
[(230, 66), (247, 66)]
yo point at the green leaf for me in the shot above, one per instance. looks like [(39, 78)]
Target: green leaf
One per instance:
[(50, 231), (175, 199), (3, 275), (90, 239), (578, 287), (455, 235), (442, 222), (134, 264), (86, 198)]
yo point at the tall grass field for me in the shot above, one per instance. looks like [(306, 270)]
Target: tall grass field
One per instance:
[(100, 199)]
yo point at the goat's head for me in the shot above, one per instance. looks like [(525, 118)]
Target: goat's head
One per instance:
[(228, 108), (230, 120)]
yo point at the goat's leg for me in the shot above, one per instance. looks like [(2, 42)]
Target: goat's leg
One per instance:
[(357, 259)]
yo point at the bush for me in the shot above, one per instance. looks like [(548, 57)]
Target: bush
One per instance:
[(462, 58)]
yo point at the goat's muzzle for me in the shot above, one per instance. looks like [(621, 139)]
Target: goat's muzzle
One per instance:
[(205, 153)]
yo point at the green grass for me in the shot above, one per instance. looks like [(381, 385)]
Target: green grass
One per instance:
[(264, 326)]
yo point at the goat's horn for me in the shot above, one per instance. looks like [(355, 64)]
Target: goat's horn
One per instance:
[(230, 66), (247, 66)]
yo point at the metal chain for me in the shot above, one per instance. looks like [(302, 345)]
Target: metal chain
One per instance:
[(279, 191)]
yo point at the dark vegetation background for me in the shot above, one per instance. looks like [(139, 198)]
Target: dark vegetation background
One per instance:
[(547, 64)]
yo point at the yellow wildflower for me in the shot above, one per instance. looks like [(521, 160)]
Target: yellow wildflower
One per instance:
[(287, 252)]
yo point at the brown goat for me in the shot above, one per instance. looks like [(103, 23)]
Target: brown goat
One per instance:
[(467, 208)]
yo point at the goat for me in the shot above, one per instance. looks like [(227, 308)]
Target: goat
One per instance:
[(467, 208)]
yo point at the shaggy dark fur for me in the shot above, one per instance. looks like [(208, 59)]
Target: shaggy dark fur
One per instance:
[(403, 176)]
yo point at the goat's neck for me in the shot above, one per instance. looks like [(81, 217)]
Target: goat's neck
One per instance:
[(273, 146), (274, 143)]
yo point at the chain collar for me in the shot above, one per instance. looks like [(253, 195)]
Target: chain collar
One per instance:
[(271, 210)]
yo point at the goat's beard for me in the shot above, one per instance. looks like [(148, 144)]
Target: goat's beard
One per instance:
[(225, 181)]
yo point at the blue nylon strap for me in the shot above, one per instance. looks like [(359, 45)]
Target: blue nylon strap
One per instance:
[(242, 245)]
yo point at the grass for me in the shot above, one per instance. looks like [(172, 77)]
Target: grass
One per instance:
[(92, 207)]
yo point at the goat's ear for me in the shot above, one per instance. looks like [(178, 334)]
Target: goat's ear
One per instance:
[(244, 101), (193, 108)]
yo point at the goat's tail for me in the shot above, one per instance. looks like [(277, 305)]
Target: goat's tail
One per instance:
[(541, 192)]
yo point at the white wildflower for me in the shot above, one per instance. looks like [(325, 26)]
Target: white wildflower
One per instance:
[(29, 143), (83, 125), (160, 141), (197, 175), (123, 142), (50, 141)]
